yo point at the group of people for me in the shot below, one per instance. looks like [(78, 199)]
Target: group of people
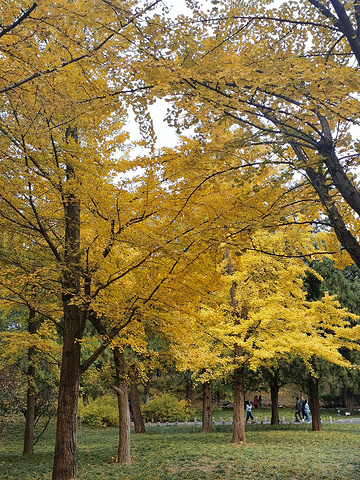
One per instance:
[(302, 410)]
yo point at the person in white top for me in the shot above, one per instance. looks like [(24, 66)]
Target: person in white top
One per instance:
[(249, 406)]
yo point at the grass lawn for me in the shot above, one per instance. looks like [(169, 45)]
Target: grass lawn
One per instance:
[(287, 452)]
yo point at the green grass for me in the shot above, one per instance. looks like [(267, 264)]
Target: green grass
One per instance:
[(287, 452)]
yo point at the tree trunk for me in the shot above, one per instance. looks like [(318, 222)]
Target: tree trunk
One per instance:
[(314, 403), (123, 405), (349, 400), (189, 387), (66, 427), (274, 390), (345, 237), (139, 425), (336, 219), (239, 390), (31, 392), (207, 425), (239, 407), (74, 324)]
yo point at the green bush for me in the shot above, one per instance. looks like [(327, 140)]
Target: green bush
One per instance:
[(331, 400), (101, 412), (166, 408)]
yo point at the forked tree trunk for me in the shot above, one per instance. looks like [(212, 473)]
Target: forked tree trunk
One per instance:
[(139, 425), (31, 392), (274, 390), (207, 425), (239, 407), (314, 403), (121, 389)]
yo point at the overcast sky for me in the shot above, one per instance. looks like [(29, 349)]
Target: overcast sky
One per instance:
[(166, 136)]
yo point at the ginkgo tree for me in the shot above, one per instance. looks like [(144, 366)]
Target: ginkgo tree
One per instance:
[(35, 336), (65, 65), (260, 314), (286, 77)]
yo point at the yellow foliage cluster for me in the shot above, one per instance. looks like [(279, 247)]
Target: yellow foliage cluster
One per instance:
[(150, 252), (260, 306)]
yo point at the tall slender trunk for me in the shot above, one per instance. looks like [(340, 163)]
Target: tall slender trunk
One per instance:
[(139, 425), (239, 389), (189, 387), (73, 327), (274, 391), (31, 392), (314, 403), (207, 425), (123, 405), (239, 407)]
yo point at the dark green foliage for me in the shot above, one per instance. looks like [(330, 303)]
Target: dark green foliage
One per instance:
[(345, 284), (331, 400)]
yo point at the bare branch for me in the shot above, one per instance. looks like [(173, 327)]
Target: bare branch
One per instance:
[(286, 20), (18, 21)]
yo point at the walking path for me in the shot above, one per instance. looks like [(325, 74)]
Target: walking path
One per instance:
[(335, 420)]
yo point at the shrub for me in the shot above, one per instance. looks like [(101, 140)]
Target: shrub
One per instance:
[(166, 407), (101, 412)]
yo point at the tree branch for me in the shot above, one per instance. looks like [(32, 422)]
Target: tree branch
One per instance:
[(17, 22), (342, 22), (357, 15)]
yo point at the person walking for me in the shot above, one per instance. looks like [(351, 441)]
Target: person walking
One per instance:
[(303, 401), (307, 412), (248, 412)]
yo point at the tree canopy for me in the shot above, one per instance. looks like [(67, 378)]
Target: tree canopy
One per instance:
[(102, 246)]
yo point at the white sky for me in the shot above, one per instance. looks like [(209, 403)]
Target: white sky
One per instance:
[(166, 136)]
